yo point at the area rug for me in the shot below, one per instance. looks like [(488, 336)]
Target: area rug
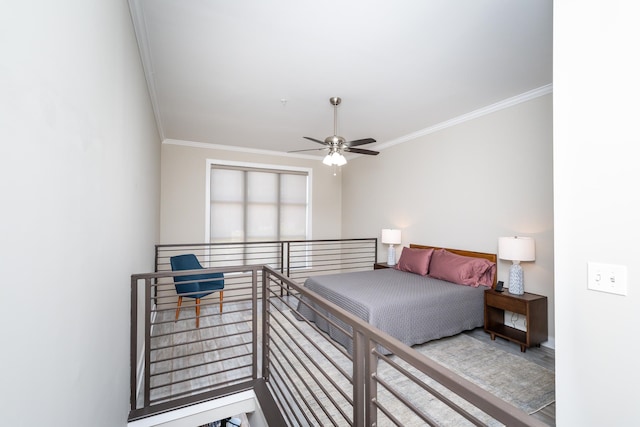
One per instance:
[(518, 381), (514, 379)]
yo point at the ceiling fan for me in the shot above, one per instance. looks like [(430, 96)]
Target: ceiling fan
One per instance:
[(336, 145)]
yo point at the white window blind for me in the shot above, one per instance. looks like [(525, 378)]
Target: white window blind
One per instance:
[(253, 204)]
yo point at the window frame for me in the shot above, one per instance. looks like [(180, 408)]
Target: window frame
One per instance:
[(250, 165)]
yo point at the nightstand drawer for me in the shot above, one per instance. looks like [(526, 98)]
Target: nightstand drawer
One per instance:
[(507, 302)]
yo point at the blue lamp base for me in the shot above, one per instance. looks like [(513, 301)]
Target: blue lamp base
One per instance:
[(516, 279)]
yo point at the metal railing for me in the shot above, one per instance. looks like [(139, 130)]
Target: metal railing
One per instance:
[(260, 338), (296, 259), (172, 359), (315, 381)]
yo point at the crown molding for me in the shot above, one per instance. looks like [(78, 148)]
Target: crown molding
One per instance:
[(509, 102), (209, 146), (142, 37)]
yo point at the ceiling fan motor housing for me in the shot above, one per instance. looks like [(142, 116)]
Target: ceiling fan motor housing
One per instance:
[(335, 140)]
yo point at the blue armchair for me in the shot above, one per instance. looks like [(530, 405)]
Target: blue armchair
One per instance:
[(196, 285)]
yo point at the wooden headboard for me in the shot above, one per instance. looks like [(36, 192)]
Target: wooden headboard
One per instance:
[(491, 257)]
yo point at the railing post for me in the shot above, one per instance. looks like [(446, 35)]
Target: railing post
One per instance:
[(371, 386), (359, 380), (375, 250), (265, 324), (147, 342), (133, 352), (254, 322), (288, 259)]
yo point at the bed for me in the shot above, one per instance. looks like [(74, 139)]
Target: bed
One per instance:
[(432, 293)]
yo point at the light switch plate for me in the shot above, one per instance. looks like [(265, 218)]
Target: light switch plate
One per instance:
[(607, 278)]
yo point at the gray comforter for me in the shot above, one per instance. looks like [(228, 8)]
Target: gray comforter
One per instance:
[(412, 308)]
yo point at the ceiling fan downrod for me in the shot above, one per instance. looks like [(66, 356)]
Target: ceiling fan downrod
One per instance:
[(335, 101)]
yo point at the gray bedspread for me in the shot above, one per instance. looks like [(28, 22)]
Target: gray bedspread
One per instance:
[(412, 308)]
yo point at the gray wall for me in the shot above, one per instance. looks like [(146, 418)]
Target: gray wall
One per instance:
[(463, 187), (79, 184), (184, 167)]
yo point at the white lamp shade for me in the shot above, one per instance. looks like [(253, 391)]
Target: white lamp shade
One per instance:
[(391, 236), (334, 158), (517, 248), (339, 159)]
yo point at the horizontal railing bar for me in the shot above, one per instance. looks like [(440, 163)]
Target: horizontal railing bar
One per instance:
[(341, 269), (326, 392), (203, 328), (191, 392), (202, 376), (393, 419), (235, 356), (404, 401), (425, 387), (318, 330), (276, 242), (279, 384), (315, 363), (188, 343), (314, 344), (301, 252), (277, 361), (331, 322)]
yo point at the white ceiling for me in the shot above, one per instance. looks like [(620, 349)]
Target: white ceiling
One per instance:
[(218, 70)]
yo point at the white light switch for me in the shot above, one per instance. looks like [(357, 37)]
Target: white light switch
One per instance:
[(607, 278)]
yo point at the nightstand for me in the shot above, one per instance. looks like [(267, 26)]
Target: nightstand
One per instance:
[(380, 265), (533, 307)]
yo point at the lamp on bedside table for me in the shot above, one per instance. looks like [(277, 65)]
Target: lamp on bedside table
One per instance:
[(391, 237), (516, 249)]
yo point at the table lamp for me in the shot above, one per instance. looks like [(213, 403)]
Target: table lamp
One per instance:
[(391, 237), (516, 249)]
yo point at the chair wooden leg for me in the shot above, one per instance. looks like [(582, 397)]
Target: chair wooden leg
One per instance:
[(197, 312), (221, 295), (178, 309)]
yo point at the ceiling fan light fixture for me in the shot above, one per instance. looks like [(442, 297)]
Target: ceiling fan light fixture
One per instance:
[(334, 158)]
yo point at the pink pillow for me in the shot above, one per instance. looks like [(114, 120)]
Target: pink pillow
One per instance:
[(414, 260), (462, 270)]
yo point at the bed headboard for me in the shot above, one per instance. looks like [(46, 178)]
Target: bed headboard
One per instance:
[(490, 257)]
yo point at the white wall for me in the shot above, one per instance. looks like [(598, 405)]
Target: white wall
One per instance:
[(79, 187), (184, 167), (463, 187), (597, 208)]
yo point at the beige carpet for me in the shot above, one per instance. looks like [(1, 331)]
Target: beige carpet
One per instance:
[(524, 384)]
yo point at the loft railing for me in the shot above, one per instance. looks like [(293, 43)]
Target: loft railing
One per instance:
[(315, 381), (259, 342), (296, 259)]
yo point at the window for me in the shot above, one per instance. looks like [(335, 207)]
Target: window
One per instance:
[(257, 203)]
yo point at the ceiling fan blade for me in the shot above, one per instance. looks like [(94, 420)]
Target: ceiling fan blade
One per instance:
[(361, 151), (360, 142), (309, 149), (315, 140)]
